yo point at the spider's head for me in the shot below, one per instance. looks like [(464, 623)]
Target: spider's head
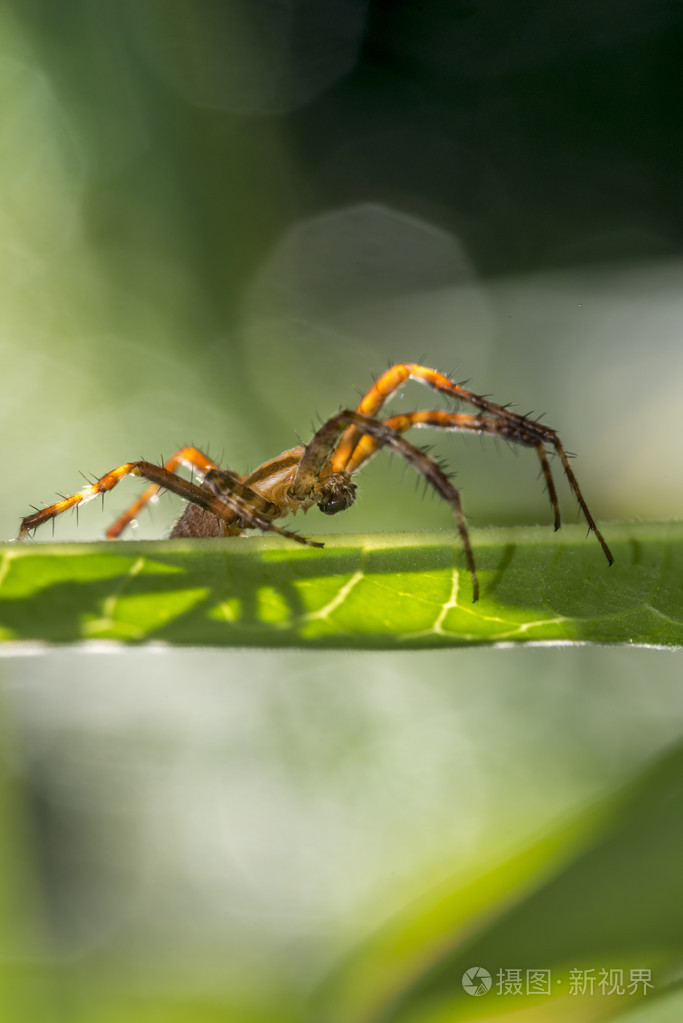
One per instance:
[(335, 493)]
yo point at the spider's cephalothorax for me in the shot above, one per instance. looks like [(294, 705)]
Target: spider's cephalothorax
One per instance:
[(225, 503)]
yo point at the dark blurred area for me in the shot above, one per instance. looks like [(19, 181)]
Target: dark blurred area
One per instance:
[(544, 134)]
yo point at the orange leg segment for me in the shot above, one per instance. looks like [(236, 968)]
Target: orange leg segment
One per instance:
[(383, 389), (394, 378), (101, 486), (191, 458), (161, 477)]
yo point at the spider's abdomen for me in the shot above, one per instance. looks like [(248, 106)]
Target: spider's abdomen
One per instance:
[(334, 493), (195, 522)]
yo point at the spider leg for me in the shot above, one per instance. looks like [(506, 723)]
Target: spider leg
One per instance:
[(394, 378), (521, 429), (382, 390), (251, 509), (573, 483), (190, 457), (318, 452), (511, 427), (234, 502), (552, 493)]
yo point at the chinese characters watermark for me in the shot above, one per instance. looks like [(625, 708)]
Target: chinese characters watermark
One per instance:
[(478, 981)]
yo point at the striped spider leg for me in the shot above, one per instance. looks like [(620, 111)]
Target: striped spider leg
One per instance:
[(191, 458), (354, 449), (226, 504)]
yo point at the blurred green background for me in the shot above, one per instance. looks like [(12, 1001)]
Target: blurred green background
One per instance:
[(217, 221)]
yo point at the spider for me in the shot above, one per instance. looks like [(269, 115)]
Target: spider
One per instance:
[(225, 503)]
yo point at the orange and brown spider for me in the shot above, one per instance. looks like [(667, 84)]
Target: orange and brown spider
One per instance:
[(224, 503)]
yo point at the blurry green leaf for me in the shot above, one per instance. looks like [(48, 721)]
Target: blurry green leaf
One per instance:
[(599, 897), (26, 981), (381, 591)]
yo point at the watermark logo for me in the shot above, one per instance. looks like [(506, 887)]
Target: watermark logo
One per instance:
[(476, 981), (604, 981)]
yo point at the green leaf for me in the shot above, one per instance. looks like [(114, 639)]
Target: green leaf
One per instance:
[(382, 591), (600, 893)]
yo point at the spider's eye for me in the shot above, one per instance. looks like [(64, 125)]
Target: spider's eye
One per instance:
[(336, 493)]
